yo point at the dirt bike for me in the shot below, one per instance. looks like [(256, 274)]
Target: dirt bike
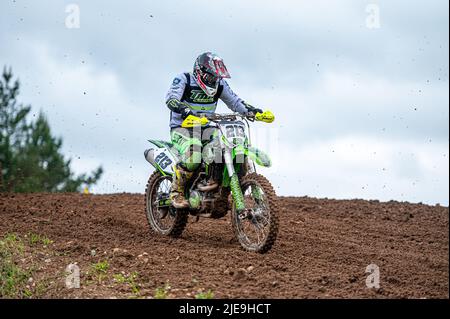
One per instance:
[(228, 161)]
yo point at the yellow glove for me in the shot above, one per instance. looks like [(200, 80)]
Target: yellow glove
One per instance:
[(266, 116), (193, 120)]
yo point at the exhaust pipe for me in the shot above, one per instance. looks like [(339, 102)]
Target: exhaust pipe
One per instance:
[(150, 156), (207, 188)]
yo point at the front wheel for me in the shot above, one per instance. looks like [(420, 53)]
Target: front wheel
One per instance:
[(163, 218), (256, 227)]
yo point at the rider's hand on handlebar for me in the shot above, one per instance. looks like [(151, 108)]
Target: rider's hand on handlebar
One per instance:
[(252, 109), (192, 120), (185, 112), (265, 116)]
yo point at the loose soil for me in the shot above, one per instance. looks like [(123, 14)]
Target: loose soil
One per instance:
[(322, 251)]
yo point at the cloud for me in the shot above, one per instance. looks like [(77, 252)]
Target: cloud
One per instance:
[(363, 167), (345, 103), (330, 80), (100, 125)]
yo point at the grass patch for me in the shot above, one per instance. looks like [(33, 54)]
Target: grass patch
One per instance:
[(100, 270), (121, 279), (13, 243), (13, 279), (162, 292), (205, 295), (101, 267), (130, 280), (35, 239)]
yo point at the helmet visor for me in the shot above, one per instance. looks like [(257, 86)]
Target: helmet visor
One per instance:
[(221, 69), (210, 79)]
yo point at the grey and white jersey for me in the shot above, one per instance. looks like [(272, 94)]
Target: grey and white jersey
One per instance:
[(194, 97)]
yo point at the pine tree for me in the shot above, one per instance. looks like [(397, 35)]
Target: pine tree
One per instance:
[(30, 157), (13, 128)]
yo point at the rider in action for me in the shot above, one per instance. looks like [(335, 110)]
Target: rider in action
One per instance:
[(189, 96)]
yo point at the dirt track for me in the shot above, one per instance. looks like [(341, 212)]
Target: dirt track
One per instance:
[(322, 251)]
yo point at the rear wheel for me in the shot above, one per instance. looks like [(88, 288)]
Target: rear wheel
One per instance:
[(256, 227), (163, 218)]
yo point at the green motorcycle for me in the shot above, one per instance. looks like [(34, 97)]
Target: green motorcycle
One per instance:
[(226, 181)]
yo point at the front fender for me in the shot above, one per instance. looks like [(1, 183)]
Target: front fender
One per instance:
[(258, 156)]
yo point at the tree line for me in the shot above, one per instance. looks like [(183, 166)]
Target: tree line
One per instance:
[(31, 159)]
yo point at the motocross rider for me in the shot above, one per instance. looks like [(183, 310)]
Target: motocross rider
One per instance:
[(190, 95)]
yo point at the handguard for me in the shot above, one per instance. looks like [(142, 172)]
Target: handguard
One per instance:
[(266, 116), (193, 120)]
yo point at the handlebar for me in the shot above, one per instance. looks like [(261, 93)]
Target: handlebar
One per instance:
[(229, 116), (204, 118)]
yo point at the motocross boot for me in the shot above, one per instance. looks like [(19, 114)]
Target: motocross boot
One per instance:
[(181, 176)]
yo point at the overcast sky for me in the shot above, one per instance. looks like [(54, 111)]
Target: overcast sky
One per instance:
[(359, 88)]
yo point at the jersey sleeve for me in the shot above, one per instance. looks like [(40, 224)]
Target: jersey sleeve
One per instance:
[(176, 89), (234, 102)]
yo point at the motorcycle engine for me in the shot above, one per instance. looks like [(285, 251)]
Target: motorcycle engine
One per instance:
[(195, 199)]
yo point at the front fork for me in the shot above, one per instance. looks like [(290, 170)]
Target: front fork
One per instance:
[(235, 187)]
